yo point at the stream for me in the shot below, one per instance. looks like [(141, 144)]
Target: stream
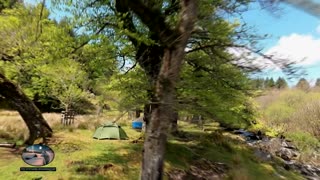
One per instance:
[(266, 148)]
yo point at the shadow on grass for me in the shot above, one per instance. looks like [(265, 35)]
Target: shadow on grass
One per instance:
[(115, 163), (216, 147), (123, 162)]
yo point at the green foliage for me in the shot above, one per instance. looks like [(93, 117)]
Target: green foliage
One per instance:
[(270, 83), (65, 79), (281, 83), (223, 95), (130, 89), (296, 114), (258, 83), (304, 140), (43, 60), (4, 4), (278, 115), (263, 84)]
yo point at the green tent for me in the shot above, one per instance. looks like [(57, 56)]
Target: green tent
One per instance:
[(110, 131)]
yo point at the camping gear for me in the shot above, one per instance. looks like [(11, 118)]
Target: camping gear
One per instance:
[(137, 124), (110, 130)]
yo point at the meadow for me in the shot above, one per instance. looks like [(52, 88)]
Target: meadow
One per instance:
[(79, 156)]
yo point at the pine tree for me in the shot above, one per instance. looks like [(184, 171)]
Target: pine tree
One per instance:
[(281, 83), (317, 82), (303, 84), (270, 83)]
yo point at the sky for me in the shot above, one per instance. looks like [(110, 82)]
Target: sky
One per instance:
[(294, 34)]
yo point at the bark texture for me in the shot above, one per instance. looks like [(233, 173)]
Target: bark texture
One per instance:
[(162, 112), (31, 115), (162, 64)]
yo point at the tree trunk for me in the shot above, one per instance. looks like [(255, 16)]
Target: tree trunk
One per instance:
[(174, 123), (163, 110), (31, 115), (161, 115), (162, 63), (138, 111)]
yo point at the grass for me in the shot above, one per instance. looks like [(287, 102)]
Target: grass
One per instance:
[(78, 156), (295, 114)]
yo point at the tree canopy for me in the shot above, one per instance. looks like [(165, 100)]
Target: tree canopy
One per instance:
[(162, 56)]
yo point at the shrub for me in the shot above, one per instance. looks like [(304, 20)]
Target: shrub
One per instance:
[(296, 114), (304, 140), (83, 125)]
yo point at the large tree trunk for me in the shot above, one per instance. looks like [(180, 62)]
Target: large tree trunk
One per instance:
[(156, 134), (162, 64), (31, 115), (161, 114), (163, 110)]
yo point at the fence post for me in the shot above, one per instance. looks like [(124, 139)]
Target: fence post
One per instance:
[(67, 117), (62, 117)]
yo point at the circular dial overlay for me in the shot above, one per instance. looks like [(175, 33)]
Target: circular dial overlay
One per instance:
[(37, 155)]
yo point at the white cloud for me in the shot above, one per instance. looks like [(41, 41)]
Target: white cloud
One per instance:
[(246, 58), (296, 47)]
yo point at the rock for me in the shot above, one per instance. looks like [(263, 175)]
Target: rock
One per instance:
[(264, 156), (250, 136), (239, 131), (288, 145), (265, 148), (284, 154), (287, 154), (271, 146)]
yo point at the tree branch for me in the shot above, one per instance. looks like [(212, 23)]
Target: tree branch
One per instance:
[(96, 33), (135, 64), (39, 26), (154, 19)]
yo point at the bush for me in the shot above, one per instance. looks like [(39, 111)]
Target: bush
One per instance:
[(296, 114), (303, 140), (292, 111), (307, 118), (83, 125)]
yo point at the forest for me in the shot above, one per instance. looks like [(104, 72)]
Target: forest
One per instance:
[(189, 70)]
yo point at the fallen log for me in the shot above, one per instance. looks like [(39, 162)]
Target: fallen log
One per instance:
[(7, 145)]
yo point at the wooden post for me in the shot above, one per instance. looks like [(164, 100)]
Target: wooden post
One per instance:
[(62, 117), (67, 117)]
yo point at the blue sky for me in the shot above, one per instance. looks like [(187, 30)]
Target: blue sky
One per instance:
[(294, 33)]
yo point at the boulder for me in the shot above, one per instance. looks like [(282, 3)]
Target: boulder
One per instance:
[(288, 145), (271, 146)]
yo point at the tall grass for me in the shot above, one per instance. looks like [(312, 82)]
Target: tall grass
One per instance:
[(13, 128), (292, 110), (294, 113)]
